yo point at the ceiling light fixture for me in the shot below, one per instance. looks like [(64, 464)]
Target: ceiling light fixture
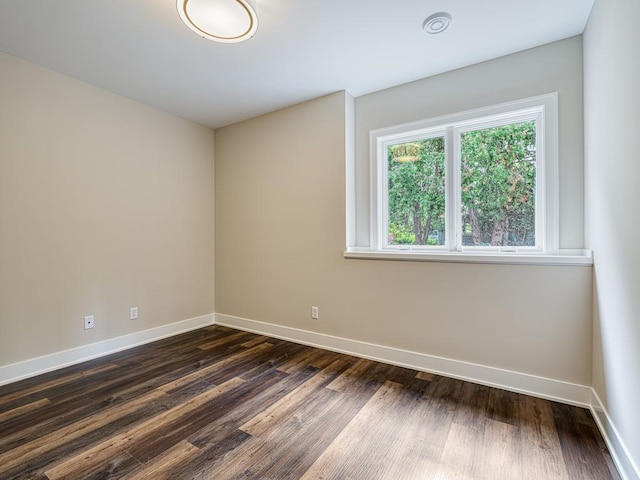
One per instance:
[(405, 152), (437, 23), (226, 21)]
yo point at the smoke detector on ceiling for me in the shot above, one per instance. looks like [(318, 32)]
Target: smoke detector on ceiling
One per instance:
[(437, 23)]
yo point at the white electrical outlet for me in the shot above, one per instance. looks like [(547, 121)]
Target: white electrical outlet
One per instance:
[(88, 322), (133, 313), (314, 313)]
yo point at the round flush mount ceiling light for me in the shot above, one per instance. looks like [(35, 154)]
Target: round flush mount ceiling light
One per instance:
[(226, 21), (437, 23)]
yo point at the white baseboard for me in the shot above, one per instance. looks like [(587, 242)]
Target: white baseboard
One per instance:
[(547, 388), (624, 461), (54, 361)]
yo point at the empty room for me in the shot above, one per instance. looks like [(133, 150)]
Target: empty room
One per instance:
[(338, 239)]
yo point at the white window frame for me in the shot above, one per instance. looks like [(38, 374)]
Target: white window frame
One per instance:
[(544, 109), (380, 212)]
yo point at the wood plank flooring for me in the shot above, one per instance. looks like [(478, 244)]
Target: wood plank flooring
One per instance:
[(222, 404)]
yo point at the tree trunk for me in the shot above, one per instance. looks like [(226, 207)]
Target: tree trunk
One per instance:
[(417, 223), (499, 228), (419, 230), (475, 227), (427, 231)]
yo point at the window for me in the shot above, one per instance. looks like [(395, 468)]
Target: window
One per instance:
[(476, 183), (491, 199)]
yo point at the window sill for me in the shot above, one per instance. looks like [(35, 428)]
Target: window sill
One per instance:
[(567, 257)]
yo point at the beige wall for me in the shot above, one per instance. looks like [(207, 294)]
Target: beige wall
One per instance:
[(104, 204), (612, 122), (280, 233)]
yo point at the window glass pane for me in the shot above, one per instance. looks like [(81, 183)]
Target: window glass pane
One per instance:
[(416, 191), (498, 172)]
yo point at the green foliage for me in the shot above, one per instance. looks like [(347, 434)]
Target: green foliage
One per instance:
[(498, 174), (400, 234), (416, 190), (498, 171)]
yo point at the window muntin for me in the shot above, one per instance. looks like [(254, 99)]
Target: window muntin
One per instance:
[(519, 217)]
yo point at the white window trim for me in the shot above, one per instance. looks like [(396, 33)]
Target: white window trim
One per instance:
[(450, 126)]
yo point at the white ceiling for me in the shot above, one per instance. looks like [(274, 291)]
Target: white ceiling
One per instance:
[(303, 48)]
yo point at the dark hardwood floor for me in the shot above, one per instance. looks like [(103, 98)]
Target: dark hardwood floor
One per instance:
[(222, 404)]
